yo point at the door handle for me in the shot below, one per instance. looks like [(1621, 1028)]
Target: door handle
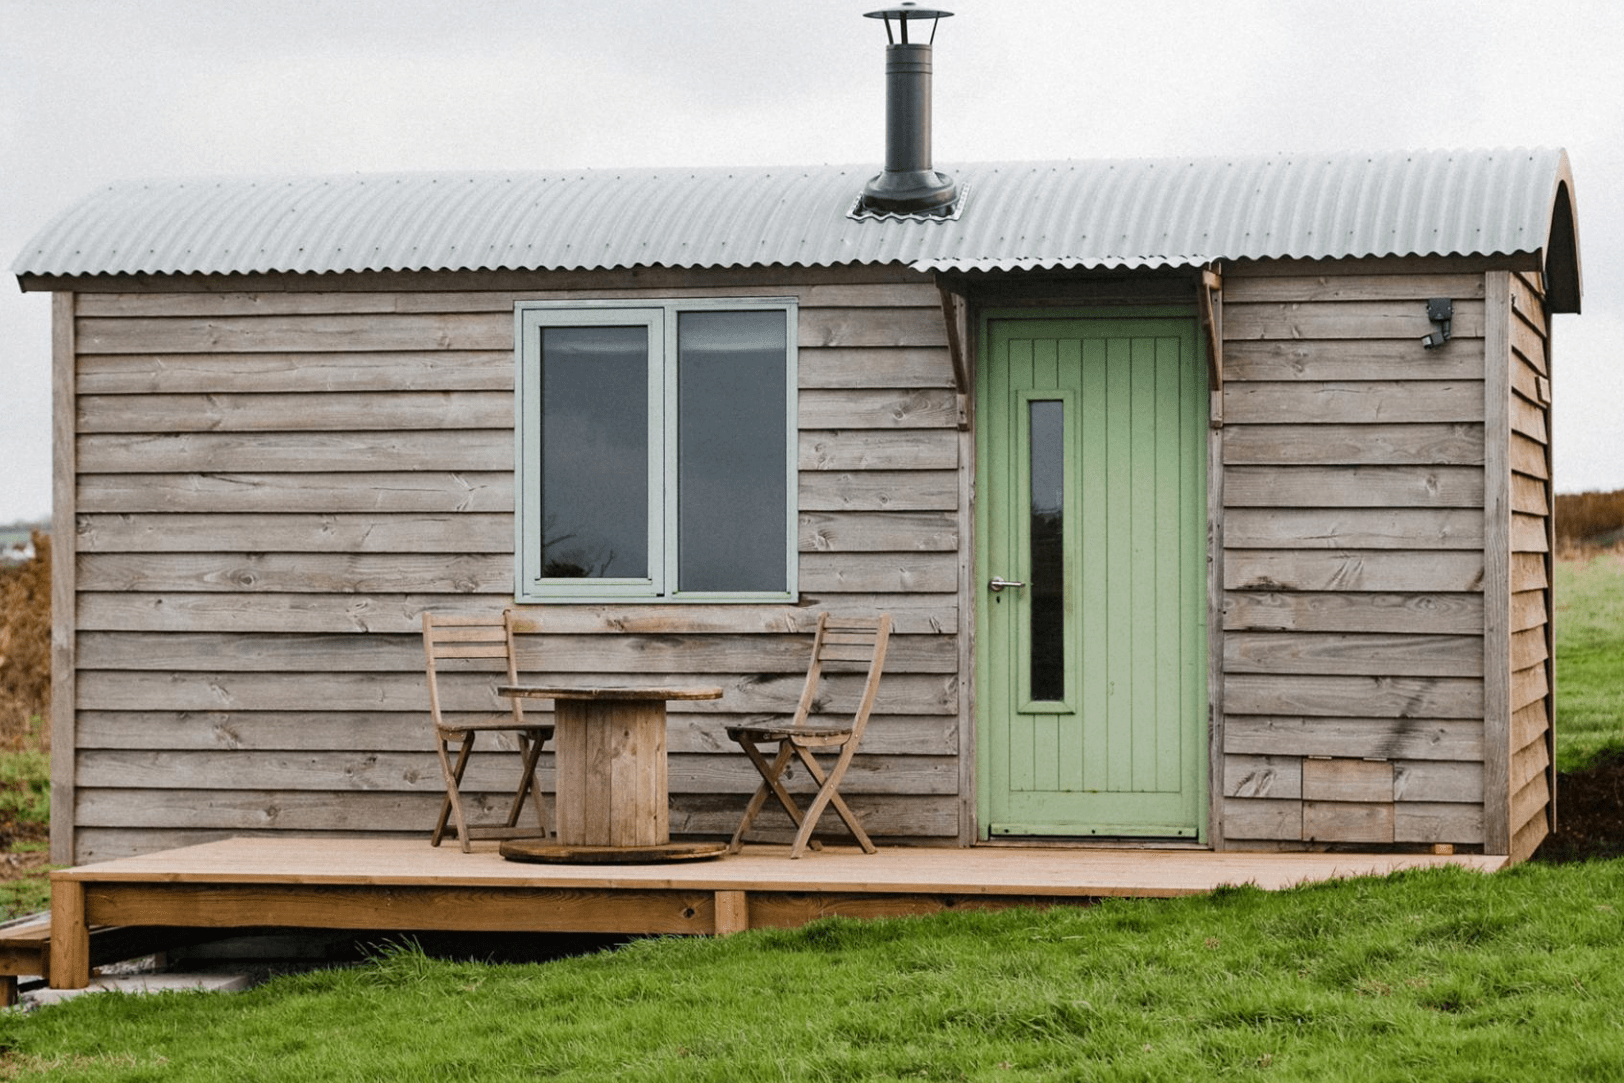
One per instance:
[(998, 583)]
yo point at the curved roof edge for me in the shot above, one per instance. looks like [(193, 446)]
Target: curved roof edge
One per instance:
[(1085, 214), (1564, 280)]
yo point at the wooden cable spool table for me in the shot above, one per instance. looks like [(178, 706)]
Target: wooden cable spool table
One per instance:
[(611, 793)]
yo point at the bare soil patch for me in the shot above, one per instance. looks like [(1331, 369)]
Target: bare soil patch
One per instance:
[(1589, 812)]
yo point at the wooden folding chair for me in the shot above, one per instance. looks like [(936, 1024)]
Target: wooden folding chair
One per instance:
[(838, 639), (447, 638)]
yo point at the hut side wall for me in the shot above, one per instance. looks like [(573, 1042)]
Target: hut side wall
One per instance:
[(1531, 705), (1353, 639), (271, 486)]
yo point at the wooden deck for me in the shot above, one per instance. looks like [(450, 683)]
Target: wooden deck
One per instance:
[(406, 884)]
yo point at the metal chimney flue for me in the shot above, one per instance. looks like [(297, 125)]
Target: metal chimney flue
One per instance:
[(909, 185)]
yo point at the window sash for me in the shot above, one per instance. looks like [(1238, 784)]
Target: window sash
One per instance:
[(661, 320)]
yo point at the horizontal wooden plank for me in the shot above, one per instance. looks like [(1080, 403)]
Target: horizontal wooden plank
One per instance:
[(1531, 496), (1530, 457), (1529, 723), (892, 531), (173, 811), (879, 490), (1246, 288), (901, 816), (1249, 818), (476, 330), (316, 729), (1438, 781), (1348, 821), (816, 290), (885, 408), (420, 773), (1360, 569), (295, 333), (1444, 444), (1440, 614), (1338, 697), (322, 573), (1529, 419), (1347, 779), (1392, 319), (1530, 346), (1529, 686), (1263, 777), (1530, 571), (1526, 839), (1391, 738), (921, 326), (1532, 799), (1528, 534), (1528, 648), (1353, 654), (394, 491), (308, 613), (1530, 760), (402, 655), (446, 370), (899, 693), (307, 371), (1349, 359), (477, 450), (1353, 403), (1529, 609), (468, 532), (278, 412), (834, 573), (889, 366), (878, 449), (1353, 487), (1353, 528), (1433, 822)]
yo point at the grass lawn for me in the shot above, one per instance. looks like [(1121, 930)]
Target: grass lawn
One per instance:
[(1439, 976), (1589, 657)]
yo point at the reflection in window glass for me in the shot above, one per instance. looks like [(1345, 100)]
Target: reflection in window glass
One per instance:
[(594, 452), (731, 448), (1047, 576)]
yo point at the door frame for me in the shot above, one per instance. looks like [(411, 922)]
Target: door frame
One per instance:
[(1209, 799)]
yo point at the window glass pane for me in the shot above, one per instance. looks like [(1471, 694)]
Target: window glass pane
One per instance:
[(1047, 569), (731, 501), (594, 452)]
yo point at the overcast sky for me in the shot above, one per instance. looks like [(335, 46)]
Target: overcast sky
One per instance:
[(92, 90)]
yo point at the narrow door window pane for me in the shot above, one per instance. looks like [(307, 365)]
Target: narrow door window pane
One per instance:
[(1046, 586), (594, 452), (732, 522)]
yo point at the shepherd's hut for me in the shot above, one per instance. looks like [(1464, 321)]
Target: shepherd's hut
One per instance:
[(1211, 496)]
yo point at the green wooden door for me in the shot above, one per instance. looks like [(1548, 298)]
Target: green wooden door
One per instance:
[(1091, 491)]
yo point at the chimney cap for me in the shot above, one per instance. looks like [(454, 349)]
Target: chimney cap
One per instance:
[(904, 13), (907, 11)]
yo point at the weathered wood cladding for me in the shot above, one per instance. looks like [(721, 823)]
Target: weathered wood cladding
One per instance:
[(1354, 564), (1531, 781), (269, 486), (272, 485)]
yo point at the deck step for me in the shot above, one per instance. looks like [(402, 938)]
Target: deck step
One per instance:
[(25, 948)]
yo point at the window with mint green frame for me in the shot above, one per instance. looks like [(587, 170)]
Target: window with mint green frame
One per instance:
[(655, 450)]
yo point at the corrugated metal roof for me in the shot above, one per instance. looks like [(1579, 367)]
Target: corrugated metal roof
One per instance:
[(1062, 214)]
